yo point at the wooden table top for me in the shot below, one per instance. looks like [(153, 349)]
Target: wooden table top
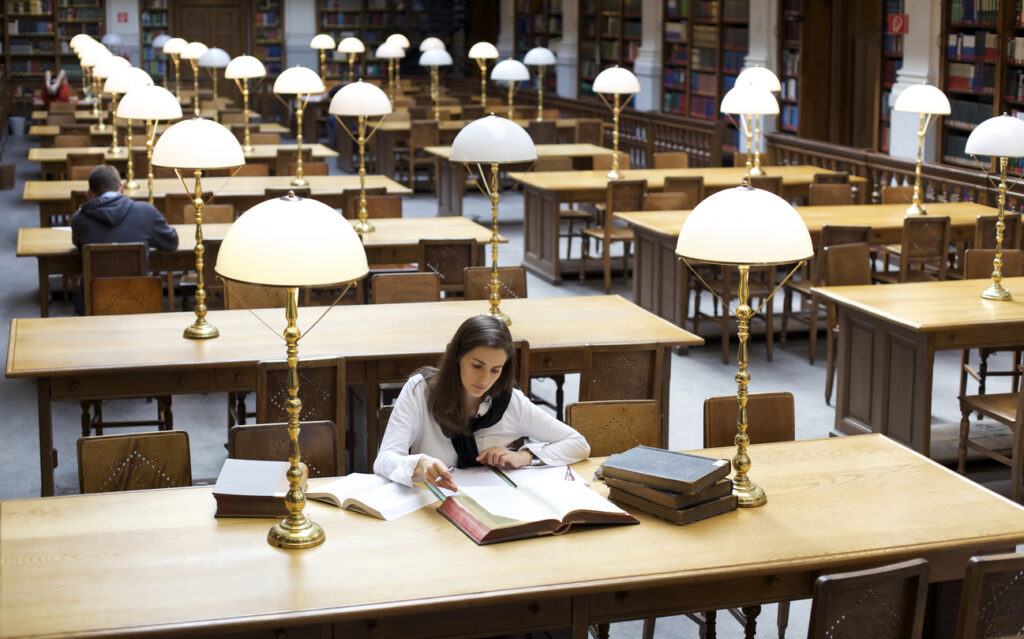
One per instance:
[(43, 130), (934, 306), (69, 345), (401, 124), (259, 152), (107, 562), (877, 216), (543, 150), (82, 115), (58, 190), (714, 177), (403, 231)]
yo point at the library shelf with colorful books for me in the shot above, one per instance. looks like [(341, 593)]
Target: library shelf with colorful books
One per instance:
[(154, 20), (790, 20), (538, 23), (609, 35), (372, 21), (892, 62)]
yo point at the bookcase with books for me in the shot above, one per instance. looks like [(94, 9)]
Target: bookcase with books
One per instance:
[(268, 35), (537, 24), (154, 19), (790, 15), (892, 62), (372, 21), (610, 32)]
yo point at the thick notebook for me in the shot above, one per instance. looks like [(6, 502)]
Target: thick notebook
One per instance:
[(665, 469), (494, 505), (680, 516), (670, 499)]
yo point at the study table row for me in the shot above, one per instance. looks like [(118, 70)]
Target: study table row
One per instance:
[(99, 357), (48, 132), (158, 563)]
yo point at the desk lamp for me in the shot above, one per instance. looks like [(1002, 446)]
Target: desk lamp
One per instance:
[(482, 52), (999, 137), (744, 227), (492, 140), (616, 81), (120, 83), (432, 43), (749, 101), (362, 100), (301, 82), (351, 46), (157, 46), (111, 40), (323, 42), (152, 104), (289, 242), (173, 48), (198, 144), (102, 70), (212, 60), (93, 55), (390, 52), (435, 58), (403, 43), (77, 44), (510, 71), (240, 69), (928, 101), (542, 58), (762, 78), (192, 52)]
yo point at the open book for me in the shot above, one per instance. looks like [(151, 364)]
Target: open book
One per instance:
[(373, 495), (494, 505)]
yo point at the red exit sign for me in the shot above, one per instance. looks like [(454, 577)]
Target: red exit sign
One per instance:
[(122, 16), (897, 23)]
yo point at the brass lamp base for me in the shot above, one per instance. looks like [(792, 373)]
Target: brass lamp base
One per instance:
[(915, 209), (364, 226), (614, 174), (300, 182), (995, 291), (304, 533), (131, 185), (749, 494), (201, 329), (497, 313), (756, 170), (247, 148)]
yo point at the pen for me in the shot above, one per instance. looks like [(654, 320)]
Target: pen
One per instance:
[(438, 478)]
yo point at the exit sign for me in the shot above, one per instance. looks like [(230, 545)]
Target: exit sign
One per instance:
[(897, 23)]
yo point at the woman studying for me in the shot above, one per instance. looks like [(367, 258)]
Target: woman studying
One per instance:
[(467, 412)]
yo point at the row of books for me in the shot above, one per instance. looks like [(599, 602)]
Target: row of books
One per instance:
[(67, 31), (157, 4), (892, 43), (736, 10), (703, 107), (706, 10), (30, 6), (732, 61), (675, 31), (968, 112), (538, 23), (705, 58), (1014, 89), (894, 6), (953, 148), (613, 26), (534, 6), (789, 117), (1015, 49), (351, 5), (266, 18), (16, 27), (977, 77), (789, 89), (673, 102), (677, 54), (735, 36), (790, 63), (703, 83), (975, 47), (677, 9), (889, 69), (153, 18), (674, 77), (80, 13), (974, 11), (705, 36)]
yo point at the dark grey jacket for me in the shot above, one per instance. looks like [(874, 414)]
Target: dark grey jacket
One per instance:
[(121, 219)]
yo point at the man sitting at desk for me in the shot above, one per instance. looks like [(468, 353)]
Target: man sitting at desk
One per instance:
[(111, 216)]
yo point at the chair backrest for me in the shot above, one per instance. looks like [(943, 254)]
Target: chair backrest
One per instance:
[(667, 201), (134, 461), (128, 259), (990, 603), (84, 159), (770, 418), (603, 161), (553, 164), (253, 169), (175, 204), (270, 138), (68, 140), (829, 194), (838, 177), (978, 263), (384, 206), (449, 259), (422, 133), (212, 214), (770, 183), (692, 185), (843, 234), (309, 168), (543, 132), (318, 444), (126, 295), (350, 200), (228, 118), (623, 195), (60, 118), (925, 241), (846, 264), (281, 191), (590, 131), (395, 288), (985, 231), (290, 156), (621, 371), (767, 158), (511, 282), (897, 194), (79, 172), (76, 129), (241, 295), (616, 426), (672, 160), (882, 603)]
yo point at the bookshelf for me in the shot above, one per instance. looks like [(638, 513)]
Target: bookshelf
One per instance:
[(537, 24), (610, 32), (790, 12), (892, 62), (154, 19), (372, 21), (268, 35)]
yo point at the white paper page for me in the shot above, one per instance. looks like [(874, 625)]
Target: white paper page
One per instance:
[(351, 485), (552, 486), (494, 495), (392, 500)]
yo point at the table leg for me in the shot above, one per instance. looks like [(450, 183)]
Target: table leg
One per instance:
[(44, 288), (541, 224), (451, 187), (385, 153), (47, 454)]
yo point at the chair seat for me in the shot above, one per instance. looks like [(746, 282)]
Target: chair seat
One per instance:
[(615, 234), (576, 214), (1000, 406)]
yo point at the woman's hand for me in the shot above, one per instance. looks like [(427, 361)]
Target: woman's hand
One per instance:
[(434, 471), (505, 458)]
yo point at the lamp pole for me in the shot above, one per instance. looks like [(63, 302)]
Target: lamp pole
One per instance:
[(300, 106), (482, 64), (748, 493), (756, 169), (150, 135), (194, 63), (915, 208), (540, 93), (363, 225), (995, 291), (435, 91), (495, 297), (200, 328), (616, 109), (243, 86), (130, 183)]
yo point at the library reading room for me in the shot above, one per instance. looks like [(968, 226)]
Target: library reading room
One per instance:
[(705, 317)]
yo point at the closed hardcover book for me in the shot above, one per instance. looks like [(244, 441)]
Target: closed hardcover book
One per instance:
[(679, 516), (670, 499), (665, 469), (251, 488)]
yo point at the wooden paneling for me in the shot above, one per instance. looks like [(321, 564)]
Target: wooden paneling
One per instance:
[(217, 23)]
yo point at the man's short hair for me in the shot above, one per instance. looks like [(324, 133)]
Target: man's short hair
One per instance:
[(104, 178)]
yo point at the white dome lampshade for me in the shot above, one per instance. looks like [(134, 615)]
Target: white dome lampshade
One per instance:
[(149, 103), (388, 51), (321, 41), (159, 41), (291, 242), (435, 58), (510, 71), (351, 44), (922, 98), (539, 57), (112, 40), (399, 39), (744, 226), (761, 77), (94, 56), (360, 98), (432, 43), (125, 80), (616, 80), (998, 137), (748, 99), (78, 39), (174, 46), (198, 144), (244, 66), (193, 51), (110, 65), (492, 139), (483, 51), (298, 80), (215, 58)]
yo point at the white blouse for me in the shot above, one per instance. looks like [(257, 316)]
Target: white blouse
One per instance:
[(412, 433)]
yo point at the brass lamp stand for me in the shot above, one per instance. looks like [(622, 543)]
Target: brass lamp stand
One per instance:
[(616, 111), (915, 207), (150, 139), (243, 86), (351, 66), (130, 183), (97, 104), (493, 194), (756, 168), (749, 494), (540, 93), (200, 328), (481, 63), (194, 62), (391, 80), (435, 91), (216, 108), (87, 84), (114, 146), (300, 105), (747, 122), (323, 63), (363, 225), (176, 59), (511, 96), (995, 291)]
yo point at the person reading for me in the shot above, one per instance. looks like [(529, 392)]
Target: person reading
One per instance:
[(467, 412)]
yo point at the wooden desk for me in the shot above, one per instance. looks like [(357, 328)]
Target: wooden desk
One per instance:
[(132, 355), (47, 132), (54, 197), (888, 336), (544, 193), (53, 160), (148, 562), (661, 280), (451, 176), (394, 241)]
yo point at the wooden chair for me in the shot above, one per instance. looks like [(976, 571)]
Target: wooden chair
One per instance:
[(925, 244), (692, 186), (254, 169), (589, 131), (672, 160), (553, 164), (882, 603), (212, 214), (112, 260), (449, 259), (770, 183), (667, 201), (175, 204), (511, 279), (897, 194), (134, 461), (60, 118), (837, 177), (350, 200), (985, 231), (422, 133), (126, 295), (603, 161), (723, 282), (990, 602), (623, 195), (830, 194), (383, 206), (621, 371), (395, 288), (309, 168), (1006, 409), (569, 213), (615, 426), (63, 141), (227, 118), (842, 265), (289, 156), (282, 191), (239, 295), (80, 172), (318, 444), (543, 132), (90, 160)]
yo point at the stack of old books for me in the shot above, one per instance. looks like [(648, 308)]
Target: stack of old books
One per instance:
[(678, 487)]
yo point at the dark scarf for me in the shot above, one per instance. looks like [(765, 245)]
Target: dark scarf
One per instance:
[(465, 445)]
